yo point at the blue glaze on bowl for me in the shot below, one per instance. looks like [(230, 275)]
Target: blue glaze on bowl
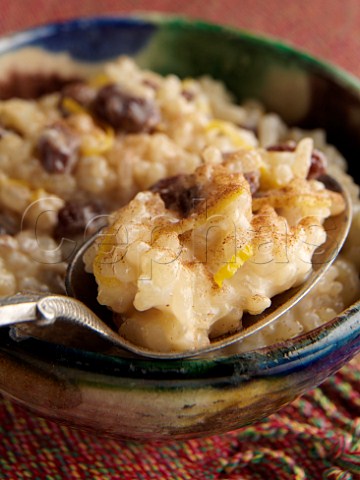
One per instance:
[(85, 39), (140, 399)]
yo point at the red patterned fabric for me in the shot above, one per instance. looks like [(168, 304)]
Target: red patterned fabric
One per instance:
[(316, 437)]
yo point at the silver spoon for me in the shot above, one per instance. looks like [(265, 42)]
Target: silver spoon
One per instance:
[(78, 320)]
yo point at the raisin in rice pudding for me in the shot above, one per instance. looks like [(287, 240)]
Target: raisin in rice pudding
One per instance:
[(210, 193)]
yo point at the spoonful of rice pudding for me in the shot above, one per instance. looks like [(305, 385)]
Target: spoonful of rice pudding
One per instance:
[(200, 261)]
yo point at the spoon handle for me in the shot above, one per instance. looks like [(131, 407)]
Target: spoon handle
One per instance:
[(49, 316), (59, 307), (44, 309), (20, 308)]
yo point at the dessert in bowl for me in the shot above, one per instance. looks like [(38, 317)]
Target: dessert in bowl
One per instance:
[(68, 162)]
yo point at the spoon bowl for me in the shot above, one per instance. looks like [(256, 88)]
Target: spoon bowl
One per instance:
[(82, 286), (89, 322)]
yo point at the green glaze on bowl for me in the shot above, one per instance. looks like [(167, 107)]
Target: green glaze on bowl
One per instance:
[(140, 399), (156, 400)]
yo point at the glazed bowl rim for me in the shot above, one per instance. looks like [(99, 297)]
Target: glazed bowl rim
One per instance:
[(306, 347), (17, 39)]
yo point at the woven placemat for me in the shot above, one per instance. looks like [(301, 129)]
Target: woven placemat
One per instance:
[(316, 437)]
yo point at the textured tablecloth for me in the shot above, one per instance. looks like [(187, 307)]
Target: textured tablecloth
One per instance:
[(317, 436)]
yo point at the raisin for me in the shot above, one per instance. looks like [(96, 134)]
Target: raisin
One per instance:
[(125, 112), (150, 83), (58, 149), (187, 198), (318, 159), (282, 147), (189, 96), (9, 225), (31, 85), (253, 179), (329, 183), (178, 193), (82, 93), (79, 217), (318, 165)]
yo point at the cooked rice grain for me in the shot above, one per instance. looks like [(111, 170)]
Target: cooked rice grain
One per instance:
[(199, 123)]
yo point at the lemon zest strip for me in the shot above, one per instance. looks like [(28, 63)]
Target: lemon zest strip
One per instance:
[(72, 106), (230, 131), (100, 80), (98, 143), (230, 268)]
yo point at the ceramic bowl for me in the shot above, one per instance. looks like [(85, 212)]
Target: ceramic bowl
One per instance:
[(139, 399)]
